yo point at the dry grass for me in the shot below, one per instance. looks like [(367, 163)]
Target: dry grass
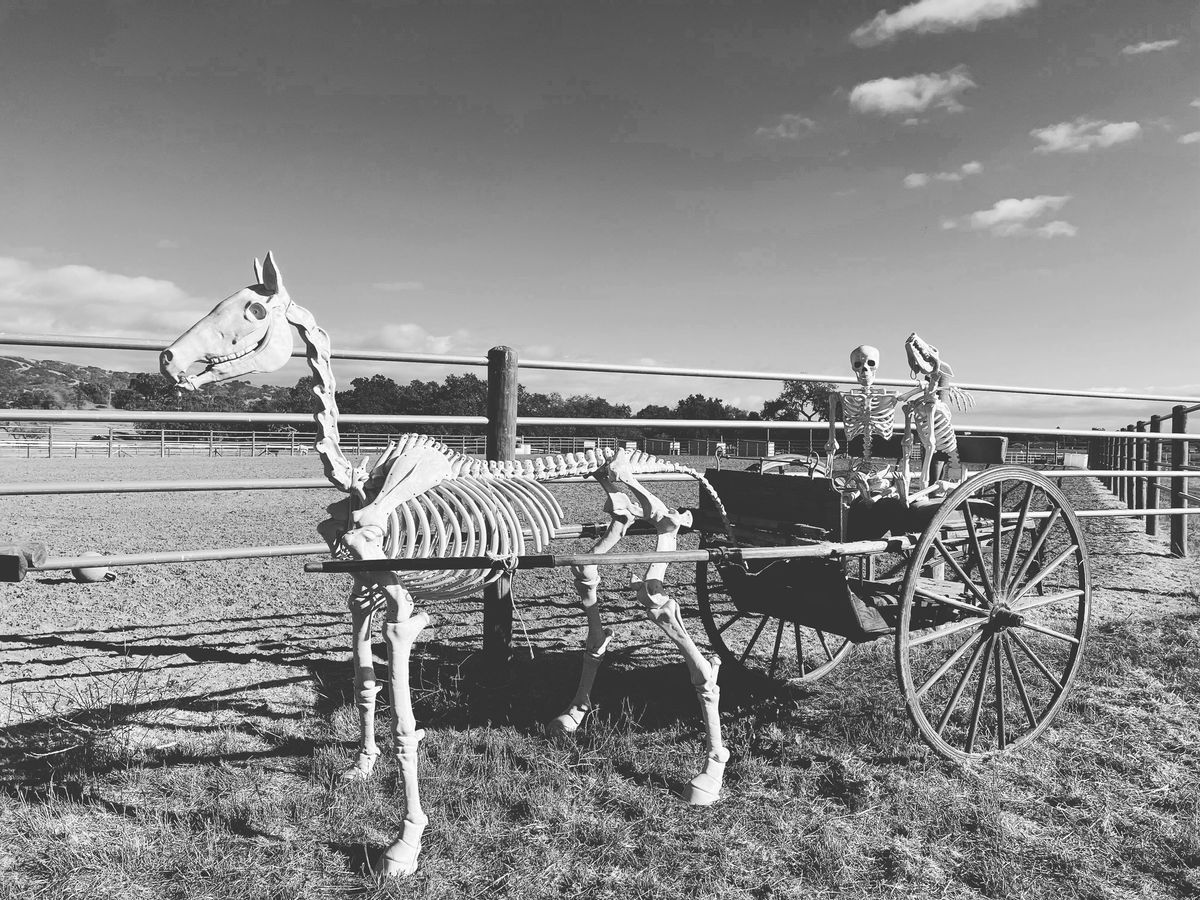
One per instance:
[(133, 767)]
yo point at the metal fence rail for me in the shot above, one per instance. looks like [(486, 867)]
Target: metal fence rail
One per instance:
[(79, 440), (1130, 465)]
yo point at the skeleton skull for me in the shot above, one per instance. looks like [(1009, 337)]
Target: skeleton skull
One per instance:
[(864, 360)]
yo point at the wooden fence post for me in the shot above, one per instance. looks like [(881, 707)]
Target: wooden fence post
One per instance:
[(1121, 467), (1179, 461), (110, 441), (1126, 465), (1111, 462), (1155, 464), (1139, 463), (501, 446), (49, 441)]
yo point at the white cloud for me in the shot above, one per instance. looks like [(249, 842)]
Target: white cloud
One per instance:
[(935, 17), (1192, 137), (167, 244), (77, 299), (1195, 103), (790, 127), (396, 287), (1083, 135), (1015, 217), (920, 179), (1057, 228), (913, 94), (408, 337), (1149, 47)]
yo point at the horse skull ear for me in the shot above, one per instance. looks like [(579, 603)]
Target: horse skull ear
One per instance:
[(271, 278), (257, 271)]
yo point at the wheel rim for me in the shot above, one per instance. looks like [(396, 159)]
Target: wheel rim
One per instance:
[(991, 632), (762, 644)]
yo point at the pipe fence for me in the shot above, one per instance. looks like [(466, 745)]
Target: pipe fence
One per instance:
[(1132, 467), (33, 439)]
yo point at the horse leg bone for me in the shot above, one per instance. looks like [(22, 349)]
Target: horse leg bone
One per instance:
[(705, 788), (365, 688), (587, 583), (401, 857)]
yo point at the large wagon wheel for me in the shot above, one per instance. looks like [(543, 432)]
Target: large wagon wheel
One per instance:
[(994, 614), (763, 644)]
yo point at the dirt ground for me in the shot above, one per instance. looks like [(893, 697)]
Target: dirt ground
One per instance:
[(261, 637)]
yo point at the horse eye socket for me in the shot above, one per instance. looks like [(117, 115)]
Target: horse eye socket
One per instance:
[(257, 310)]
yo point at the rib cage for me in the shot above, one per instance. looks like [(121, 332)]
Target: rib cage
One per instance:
[(861, 419), (498, 508), (943, 429)]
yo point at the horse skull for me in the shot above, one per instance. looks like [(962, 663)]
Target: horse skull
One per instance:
[(245, 333)]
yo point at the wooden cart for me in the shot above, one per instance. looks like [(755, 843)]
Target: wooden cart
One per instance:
[(985, 593)]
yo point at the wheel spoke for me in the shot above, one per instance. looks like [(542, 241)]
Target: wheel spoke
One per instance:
[(1045, 573), (1050, 632), (740, 615), (977, 550), (957, 604), (958, 688), (1026, 502), (1043, 533), (1046, 601), (775, 653), (958, 570), (800, 647), (824, 643), (997, 533), (943, 631), (1001, 735), (973, 728), (1018, 680), (1020, 642), (757, 632), (945, 667)]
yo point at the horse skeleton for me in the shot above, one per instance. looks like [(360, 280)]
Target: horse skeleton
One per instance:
[(422, 499)]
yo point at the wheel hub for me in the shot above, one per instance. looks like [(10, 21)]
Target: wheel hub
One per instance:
[(1002, 618)]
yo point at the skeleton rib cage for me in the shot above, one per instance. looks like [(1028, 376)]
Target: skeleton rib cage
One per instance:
[(499, 509), (861, 419)]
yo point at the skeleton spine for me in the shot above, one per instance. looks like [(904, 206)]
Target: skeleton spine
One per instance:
[(337, 468)]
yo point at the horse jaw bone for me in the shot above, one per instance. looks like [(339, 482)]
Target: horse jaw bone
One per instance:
[(245, 333)]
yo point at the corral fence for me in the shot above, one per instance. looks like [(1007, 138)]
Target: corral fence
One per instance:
[(1071, 452), (30, 440), (1133, 462), (1139, 462)]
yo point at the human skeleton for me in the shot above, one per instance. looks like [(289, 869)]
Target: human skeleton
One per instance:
[(870, 412), (423, 499)]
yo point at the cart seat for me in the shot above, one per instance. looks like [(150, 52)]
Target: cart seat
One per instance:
[(772, 509)]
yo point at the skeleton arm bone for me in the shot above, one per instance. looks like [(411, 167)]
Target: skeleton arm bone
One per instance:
[(831, 446)]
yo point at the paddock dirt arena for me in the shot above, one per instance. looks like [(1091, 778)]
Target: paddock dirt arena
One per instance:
[(242, 648)]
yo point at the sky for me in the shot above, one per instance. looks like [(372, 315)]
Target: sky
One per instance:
[(750, 185)]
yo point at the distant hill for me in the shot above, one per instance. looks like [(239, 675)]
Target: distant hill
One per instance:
[(68, 384), (53, 384)]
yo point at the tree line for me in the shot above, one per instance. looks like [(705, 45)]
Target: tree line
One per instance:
[(466, 395)]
